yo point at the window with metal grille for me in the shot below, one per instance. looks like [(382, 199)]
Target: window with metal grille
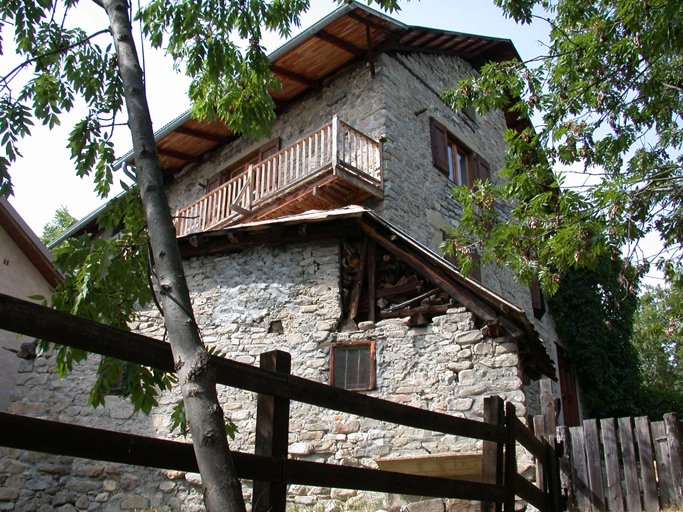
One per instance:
[(353, 365)]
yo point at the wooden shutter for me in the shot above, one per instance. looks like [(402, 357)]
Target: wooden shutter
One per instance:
[(353, 366), (439, 145), (475, 272), (537, 300), (269, 149), (483, 169), (214, 182), (570, 402)]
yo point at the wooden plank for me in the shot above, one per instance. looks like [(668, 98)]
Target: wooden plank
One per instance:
[(327, 475), (526, 438), (615, 498), (425, 310), (564, 441), (510, 478), (552, 476), (579, 470), (272, 435), (675, 441), (664, 479), (633, 502), (372, 275), (40, 322), (492, 453), (548, 410), (647, 464), (398, 289), (76, 441), (358, 281), (594, 464), (531, 494), (395, 307), (474, 305), (539, 431)]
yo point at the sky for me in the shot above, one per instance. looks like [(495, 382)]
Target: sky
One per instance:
[(44, 179)]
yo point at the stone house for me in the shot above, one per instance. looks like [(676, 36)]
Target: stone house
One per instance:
[(26, 271), (323, 241)]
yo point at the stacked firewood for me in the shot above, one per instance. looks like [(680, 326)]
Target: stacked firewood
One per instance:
[(398, 290)]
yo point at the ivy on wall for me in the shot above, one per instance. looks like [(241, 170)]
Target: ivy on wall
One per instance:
[(594, 310)]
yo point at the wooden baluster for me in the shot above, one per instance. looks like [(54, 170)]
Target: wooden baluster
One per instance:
[(311, 167)]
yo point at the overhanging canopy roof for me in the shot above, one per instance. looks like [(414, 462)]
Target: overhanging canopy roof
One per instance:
[(351, 34), (358, 221)]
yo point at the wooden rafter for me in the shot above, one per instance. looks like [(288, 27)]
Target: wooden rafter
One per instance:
[(284, 73), (474, 305), (340, 43), (178, 155), (200, 135), (369, 23)]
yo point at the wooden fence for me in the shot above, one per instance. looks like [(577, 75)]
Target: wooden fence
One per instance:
[(610, 465), (270, 467)]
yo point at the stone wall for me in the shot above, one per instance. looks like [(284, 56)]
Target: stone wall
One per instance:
[(447, 366)]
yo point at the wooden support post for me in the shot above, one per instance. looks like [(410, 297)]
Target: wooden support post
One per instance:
[(510, 458), (272, 436), (675, 441), (372, 271), (335, 141), (492, 452), (358, 281)]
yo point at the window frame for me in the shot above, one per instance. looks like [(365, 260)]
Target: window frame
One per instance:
[(261, 153), (445, 148), (372, 381)]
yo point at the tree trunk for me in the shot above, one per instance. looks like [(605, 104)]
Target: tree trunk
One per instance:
[(222, 490)]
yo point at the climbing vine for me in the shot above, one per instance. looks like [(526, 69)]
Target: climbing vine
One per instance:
[(594, 310)]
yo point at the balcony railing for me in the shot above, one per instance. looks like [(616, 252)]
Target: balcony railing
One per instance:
[(335, 146)]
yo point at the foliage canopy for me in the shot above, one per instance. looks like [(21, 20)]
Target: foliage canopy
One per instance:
[(609, 94)]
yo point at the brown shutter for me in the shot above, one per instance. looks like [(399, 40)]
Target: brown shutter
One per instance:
[(475, 272), (439, 145), (269, 149), (483, 169), (537, 300), (570, 402), (472, 169), (214, 182)]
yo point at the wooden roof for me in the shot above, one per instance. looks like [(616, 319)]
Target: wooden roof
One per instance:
[(499, 316), (351, 34)]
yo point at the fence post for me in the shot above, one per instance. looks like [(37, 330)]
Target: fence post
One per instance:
[(492, 453), (510, 458), (675, 439), (272, 433)]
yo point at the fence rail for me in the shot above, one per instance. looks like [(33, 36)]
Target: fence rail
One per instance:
[(335, 145), (500, 480)]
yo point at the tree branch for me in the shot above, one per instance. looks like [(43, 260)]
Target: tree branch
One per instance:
[(53, 52)]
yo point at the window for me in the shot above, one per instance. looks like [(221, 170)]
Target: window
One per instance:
[(453, 158), (353, 365), (264, 152), (475, 270)]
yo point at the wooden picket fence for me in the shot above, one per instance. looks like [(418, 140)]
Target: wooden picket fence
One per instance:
[(270, 467), (617, 465)]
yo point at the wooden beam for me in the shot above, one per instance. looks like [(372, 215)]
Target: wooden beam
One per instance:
[(284, 73), (178, 155), (37, 321), (340, 43), (371, 57), (473, 304), (399, 288), (425, 310), (358, 281), (369, 23), (201, 135), (396, 307)]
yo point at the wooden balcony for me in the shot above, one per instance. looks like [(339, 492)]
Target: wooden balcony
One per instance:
[(333, 167)]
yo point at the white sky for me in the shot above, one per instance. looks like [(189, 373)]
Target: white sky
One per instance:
[(44, 179)]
